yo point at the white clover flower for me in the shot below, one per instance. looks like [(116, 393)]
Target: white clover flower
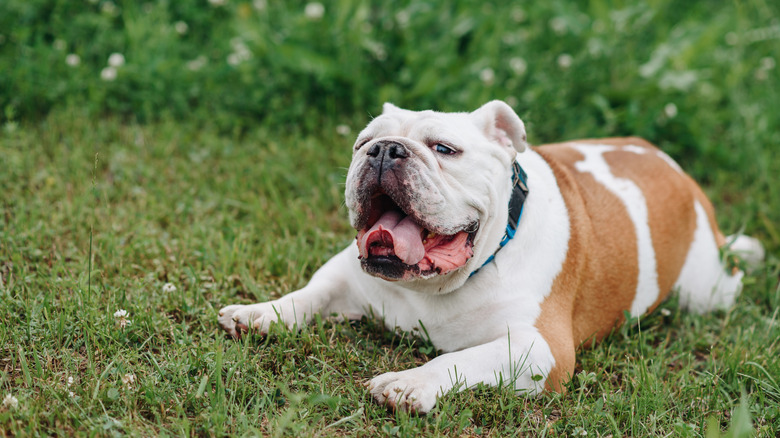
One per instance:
[(128, 379), (518, 15), (260, 4), (565, 60), (558, 25), (70, 378), (376, 48), (670, 110), (510, 38), (237, 58), (487, 75), (116, 60), (197, 63), (72, 59), (10, 402), (343, 130), (108, 74), (403, 17), (240, 53), (314, 11), (59, 44), (71, 394), (169, 288), (666, 312), (239, 46), (108, 8), (768, 63), (181, 27), (122, 319), (518, 65), (381, 53), (678, 80)]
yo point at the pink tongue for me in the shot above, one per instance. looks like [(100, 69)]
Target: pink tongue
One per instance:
[(396, 235)]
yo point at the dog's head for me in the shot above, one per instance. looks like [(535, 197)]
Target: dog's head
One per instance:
[(428, 192)]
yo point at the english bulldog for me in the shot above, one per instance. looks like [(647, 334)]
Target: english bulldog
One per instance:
[(510, 257)]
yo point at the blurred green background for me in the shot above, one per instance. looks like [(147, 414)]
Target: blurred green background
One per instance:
[(700, 79), (690, 75)]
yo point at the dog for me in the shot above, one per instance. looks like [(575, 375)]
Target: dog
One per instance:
[(509, 257)]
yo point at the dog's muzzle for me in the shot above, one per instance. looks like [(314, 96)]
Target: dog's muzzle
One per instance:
[(393, 239), (386, 155)]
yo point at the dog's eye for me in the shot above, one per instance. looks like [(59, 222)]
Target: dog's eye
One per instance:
[(442, 149)]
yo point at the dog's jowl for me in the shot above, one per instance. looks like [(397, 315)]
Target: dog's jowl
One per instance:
[(510, 256)]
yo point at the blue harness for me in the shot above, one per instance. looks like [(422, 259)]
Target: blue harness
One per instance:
[(516, 202)]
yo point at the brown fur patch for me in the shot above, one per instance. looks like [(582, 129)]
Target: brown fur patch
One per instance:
[(671, 217), (599, 277)]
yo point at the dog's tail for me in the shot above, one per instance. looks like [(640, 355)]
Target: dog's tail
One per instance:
[(710, 280), (748, 251)]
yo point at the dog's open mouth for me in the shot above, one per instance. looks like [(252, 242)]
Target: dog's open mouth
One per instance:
[(395, 246)]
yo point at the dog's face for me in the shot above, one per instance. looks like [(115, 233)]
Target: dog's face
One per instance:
[(427, 190)]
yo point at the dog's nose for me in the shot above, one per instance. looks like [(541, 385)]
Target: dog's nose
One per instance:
[(388, 149)]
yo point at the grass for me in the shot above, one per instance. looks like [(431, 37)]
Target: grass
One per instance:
[(225, 220), (227, 182)]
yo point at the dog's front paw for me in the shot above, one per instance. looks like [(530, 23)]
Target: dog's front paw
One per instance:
[(239, 319), (409, 391)]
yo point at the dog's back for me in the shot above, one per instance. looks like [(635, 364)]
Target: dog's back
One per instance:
[(661, 233)]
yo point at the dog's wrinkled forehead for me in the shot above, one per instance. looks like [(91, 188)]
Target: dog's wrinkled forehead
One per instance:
[(495, 122), (420, 126)]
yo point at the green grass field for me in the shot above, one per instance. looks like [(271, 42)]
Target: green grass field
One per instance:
[(169, 192)]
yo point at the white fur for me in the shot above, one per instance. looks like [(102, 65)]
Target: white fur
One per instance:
[(486, 323), (673, 164), (455, 192), (748, 249), (631, 195), (704, 284), (639, 150)]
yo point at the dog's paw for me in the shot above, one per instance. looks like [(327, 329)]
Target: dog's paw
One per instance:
[(236, 320), (408, 391)]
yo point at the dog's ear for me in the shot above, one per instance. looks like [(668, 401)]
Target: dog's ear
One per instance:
[(388, 108), (501, 124)]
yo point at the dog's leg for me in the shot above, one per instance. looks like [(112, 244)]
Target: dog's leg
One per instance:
[(523, 364), (327, 292)]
